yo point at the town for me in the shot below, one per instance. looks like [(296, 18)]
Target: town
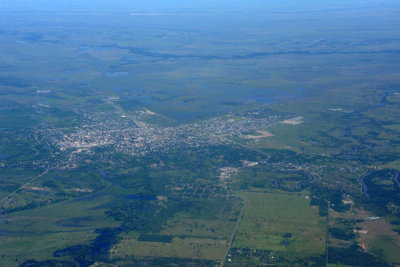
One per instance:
[(133, 136)]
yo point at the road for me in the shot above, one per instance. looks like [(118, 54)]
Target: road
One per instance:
[(125, 115), (248, 147), (228, 247), (24, 185), (244, 201), (327, 234)]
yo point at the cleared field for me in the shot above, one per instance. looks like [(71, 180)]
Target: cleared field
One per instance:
[(49, 228), (281, 222), (193, 248), (379, 239), (190, 238), (298, 137), (386, 245), (199, 228), (391, 165), (16, 249)]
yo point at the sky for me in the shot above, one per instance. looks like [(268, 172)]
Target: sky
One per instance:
[(157, 5)]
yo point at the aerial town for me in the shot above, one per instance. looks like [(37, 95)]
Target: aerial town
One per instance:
[(131, 135)]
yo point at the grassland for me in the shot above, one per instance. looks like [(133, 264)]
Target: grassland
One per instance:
[(379, 238), (184, 226), (188, 237), (269, 217), (189, 247), (48, 228)]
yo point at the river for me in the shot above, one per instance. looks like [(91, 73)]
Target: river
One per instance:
[(365, 187)]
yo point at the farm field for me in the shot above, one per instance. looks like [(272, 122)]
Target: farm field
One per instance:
[(281, 222), (192, 248), (279, 229), (49, 228)]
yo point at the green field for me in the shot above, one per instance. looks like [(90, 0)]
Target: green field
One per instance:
[(198, 227), (189, 236), (192, 248), (49, 228), (281, 222), (387, 245)]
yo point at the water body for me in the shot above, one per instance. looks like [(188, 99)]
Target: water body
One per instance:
[(300, 186), (166, 56), (396, 178), (108, 179), (364, 185)]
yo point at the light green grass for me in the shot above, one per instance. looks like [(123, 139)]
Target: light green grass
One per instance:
[(391, 165), (389, 247), (268, 217), (16, 250), (37, 233), (194, 248), (197, 227)]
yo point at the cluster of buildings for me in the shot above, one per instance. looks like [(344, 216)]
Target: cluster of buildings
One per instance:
[(130, 135)]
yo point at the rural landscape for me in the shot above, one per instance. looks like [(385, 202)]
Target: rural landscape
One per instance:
[(199, 133)]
